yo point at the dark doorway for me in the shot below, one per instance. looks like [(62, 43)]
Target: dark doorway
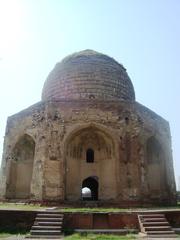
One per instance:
[(92, 184)]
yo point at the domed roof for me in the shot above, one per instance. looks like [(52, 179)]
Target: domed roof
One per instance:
[(88, 75)]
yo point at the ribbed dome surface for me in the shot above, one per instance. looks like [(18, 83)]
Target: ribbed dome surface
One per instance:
[(88, 75)]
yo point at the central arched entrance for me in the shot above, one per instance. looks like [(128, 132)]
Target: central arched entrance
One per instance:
[(90, 187), (89, 152)]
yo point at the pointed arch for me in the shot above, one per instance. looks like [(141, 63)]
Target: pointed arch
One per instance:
[(154, 150), (155, 167), (89, 150), (21, 167)]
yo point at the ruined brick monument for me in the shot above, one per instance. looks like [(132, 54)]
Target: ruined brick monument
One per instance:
[(88, 132)]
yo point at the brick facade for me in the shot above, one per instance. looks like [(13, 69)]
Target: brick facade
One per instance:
[(131, 144)]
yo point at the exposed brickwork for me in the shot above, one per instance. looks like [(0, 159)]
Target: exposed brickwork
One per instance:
[(88, 75), (131, 144), (52, 124)]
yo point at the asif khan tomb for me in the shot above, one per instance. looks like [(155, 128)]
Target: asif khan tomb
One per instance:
[(88, 139)]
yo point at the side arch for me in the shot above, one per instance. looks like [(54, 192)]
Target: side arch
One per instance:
[(21, 168), (156, 174)]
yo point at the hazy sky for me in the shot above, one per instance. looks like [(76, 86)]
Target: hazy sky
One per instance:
[(143, 35)]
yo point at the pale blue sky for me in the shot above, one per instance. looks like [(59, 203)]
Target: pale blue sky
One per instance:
[(142, 35)]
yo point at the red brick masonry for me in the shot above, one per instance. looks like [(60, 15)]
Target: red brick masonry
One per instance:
[(18, 219)]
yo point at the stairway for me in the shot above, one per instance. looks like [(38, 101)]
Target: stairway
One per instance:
[(47, 224), (155, 225)]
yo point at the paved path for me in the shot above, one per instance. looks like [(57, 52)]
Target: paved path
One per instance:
[(23, 237)]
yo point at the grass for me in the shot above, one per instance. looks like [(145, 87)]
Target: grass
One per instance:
[(11, 232), (7, 235), (20, 206), (31, 207), (4, 235), (114, 210), (15, 230), (78, 236), (89, 210)]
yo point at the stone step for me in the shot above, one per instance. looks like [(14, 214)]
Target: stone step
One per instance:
[(148, 224), (45, 219), (50, 211), (169, 232), (46, 227), (151, 215), (153, 220), (59, 223), (163, 236), (49, 215), (45, 237), (45, 232), (157, 228)]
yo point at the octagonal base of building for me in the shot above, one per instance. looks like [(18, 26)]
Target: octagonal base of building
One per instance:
[(120, 151), (88, 140)]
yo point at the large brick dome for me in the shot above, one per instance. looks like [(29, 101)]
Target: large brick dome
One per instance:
[(88, 75)]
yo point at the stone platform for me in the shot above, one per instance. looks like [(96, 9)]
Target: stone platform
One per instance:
[(23, 219)]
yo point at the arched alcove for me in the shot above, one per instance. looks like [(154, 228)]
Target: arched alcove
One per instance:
[(154, 151), (155, 167), (21, 167)]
